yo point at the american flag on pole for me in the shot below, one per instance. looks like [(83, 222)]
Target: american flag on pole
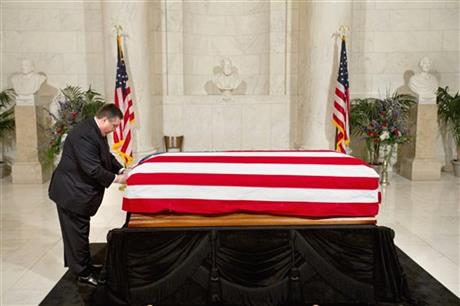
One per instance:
[(122, 136), (341, 113), (299, 183)]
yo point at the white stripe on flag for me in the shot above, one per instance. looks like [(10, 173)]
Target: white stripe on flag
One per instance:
[(128, 149), (251, 193), (127, 129), (120, 98), (340, 87), (274, 169), (126, 100), (339, 115), (340, 102)]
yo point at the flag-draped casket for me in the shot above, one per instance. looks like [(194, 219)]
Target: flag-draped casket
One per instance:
[(315, 184)]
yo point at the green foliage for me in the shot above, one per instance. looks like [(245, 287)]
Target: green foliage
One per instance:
[(6, 114), (74, 105), (380, 121), (449, 113)]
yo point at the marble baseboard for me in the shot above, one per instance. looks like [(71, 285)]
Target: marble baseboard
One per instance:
[(30, 173), (421, 169)]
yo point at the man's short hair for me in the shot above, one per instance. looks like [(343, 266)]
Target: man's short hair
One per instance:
[(109, 111)]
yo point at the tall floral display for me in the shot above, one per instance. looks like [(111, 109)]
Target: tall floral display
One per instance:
[(73, 106), (449, 116), (382, 123)]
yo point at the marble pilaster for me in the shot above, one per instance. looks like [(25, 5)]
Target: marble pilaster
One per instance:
[(322, 62), (134, 17), (30, 165), (420, 162)]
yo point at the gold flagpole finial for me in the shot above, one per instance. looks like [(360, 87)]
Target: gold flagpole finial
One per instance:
[(343, 31), (119, 29)]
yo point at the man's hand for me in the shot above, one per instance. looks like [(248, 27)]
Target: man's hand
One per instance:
[(121, 178)]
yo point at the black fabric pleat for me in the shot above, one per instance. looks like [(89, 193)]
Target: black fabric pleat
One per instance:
[(425, 290), (329, 266), (164, 263), (389, 278), (257, 266), (115, 290)]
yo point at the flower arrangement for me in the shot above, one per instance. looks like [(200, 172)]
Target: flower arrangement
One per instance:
[(449, 114), (73, 106), (381, 122), (449, 118), (7, 123), (6, 112)]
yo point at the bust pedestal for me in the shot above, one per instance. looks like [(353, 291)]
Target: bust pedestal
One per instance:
[(419, 162), (30, 165)]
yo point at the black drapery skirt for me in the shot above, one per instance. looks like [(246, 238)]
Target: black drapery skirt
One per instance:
[(252, 266)]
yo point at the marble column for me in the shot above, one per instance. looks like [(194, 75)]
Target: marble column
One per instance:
[(419, 162), (30, 166), (323, 53), (134, 17)]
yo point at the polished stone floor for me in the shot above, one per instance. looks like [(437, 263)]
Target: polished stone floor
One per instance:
[(424, 215)]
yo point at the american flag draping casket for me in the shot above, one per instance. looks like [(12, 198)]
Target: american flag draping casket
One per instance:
[(313, 184)]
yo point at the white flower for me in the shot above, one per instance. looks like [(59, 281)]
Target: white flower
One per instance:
[(384, 135)]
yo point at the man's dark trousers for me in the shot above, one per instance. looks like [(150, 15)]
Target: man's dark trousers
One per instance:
[(75, 235)]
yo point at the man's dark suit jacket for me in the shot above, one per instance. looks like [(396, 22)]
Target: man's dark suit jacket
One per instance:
[(86, 168)]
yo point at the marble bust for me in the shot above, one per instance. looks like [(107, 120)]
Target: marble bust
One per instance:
[(227, 79), (27, 82), (424, 83)]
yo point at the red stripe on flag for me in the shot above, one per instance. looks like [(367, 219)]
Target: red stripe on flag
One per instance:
[(290, 151), (338, 122), (339, 109), (125, 119), (213, 207), (341, 148), (254, 180), (340, 94), (126, 143)]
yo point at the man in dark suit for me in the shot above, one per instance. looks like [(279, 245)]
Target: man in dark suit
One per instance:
[(77, 187)]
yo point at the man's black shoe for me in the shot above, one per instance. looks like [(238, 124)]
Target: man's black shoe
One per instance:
[(89, 280), (101, 281)]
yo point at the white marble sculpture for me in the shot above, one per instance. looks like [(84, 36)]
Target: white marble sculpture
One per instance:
[(227, 79), (424, 83), (27, 82)]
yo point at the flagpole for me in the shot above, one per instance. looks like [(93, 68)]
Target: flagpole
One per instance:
[(341, 104), (119, 30), (342, 33)]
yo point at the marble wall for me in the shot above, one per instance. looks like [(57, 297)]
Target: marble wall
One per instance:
[(174, 47), (388, 40), (296, 58), (213, 30), (253, 35), (64, 39), (243, 122)]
